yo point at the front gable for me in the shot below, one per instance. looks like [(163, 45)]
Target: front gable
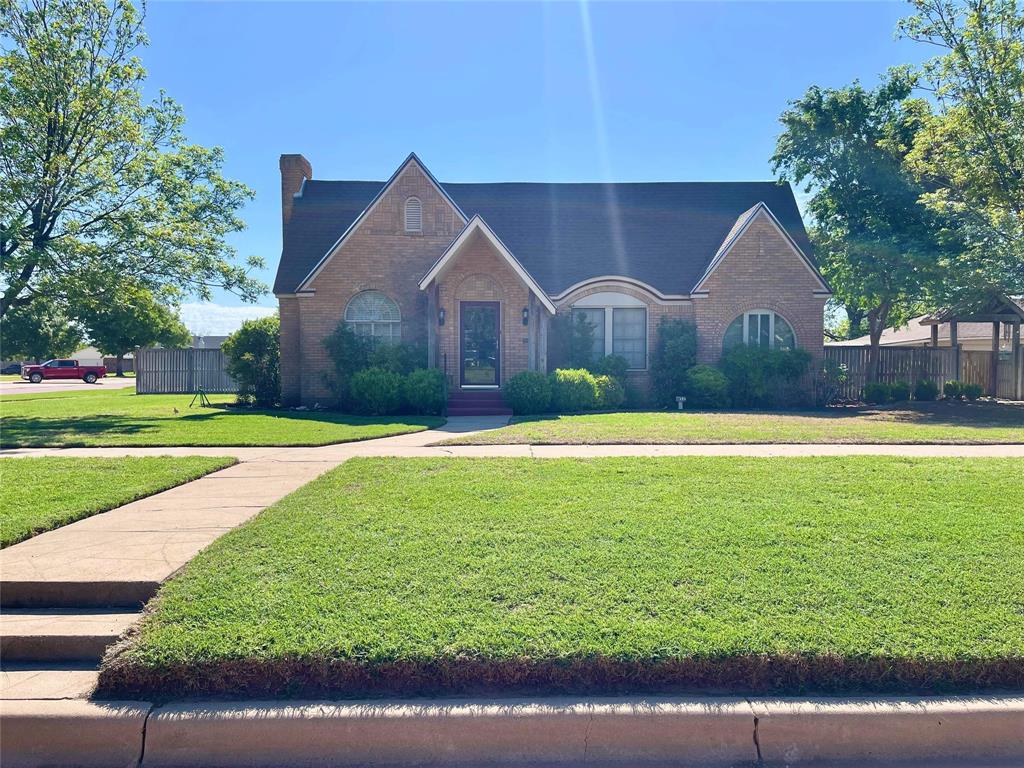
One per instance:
[(383, 222), (758, 250)]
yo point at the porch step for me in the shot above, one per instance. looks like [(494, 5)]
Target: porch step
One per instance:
[(485, 402), (52, 635)]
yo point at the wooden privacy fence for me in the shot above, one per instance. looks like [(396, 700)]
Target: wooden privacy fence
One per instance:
[(182, 371), (939, 364), (976, 368), (910, 364)]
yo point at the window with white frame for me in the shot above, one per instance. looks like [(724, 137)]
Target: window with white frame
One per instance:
[(374, 316), (413, 215), (760, 328), (619, 325)]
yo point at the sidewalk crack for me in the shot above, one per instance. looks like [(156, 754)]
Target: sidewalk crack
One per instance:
[(757, 743)]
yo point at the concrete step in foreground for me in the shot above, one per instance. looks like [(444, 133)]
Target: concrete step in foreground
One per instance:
[(51, 681), (60, 635), (85, 594)]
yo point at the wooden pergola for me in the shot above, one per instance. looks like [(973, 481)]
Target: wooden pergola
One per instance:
[(998, 309)]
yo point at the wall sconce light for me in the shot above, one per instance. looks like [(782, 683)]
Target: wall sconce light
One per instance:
[(526, 315), (440, 316)]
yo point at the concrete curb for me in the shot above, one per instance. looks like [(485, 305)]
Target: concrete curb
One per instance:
[(707, 731), (38, 732)]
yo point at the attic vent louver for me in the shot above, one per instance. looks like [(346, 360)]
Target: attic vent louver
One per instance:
[(413, 215)]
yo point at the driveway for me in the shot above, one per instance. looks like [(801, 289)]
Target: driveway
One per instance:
[(22, 387)]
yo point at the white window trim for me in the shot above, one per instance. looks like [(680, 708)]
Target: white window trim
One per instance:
[(417, 230), (772, 314), (609, 324)]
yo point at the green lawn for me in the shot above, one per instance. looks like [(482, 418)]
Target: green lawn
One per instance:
[(933, 423), (422, 576), (121, 417), (38, 495)]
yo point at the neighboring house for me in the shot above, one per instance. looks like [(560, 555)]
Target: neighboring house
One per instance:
[(970, 336), (208, 342), (477, 271)]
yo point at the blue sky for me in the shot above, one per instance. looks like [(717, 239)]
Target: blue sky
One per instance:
[(490, 91)]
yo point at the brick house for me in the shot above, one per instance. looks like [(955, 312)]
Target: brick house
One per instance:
[(477, 271)]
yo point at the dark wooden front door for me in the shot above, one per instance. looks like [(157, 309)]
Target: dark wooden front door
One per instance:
[(479, 343)]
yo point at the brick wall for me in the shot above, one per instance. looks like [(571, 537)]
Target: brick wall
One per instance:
[(378, 255), (760, 272), (479, 273)]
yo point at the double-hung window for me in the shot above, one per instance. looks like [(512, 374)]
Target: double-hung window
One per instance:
[(616, 330)]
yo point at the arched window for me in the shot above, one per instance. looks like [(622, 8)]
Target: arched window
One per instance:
[(760, 328), (413, 215), (375, 316)]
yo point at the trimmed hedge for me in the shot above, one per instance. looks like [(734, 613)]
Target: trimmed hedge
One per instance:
[(424, 391), (528, 392), (707, 387), (876, 393), (926, 390), (573, 390), (611, 393), (375, 391), (899, 391)]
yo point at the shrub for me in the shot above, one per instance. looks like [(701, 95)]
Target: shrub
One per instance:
[(528, 392), (570, 342), (611, 365), (876, 392), (831, 380), (573, 389), (707, 387), (402, 358), (424, 391), (953, 389), (348, 354), (765, 378), (675, 353), (926, 390), (899, 391), (253, 355), (375, 391), (611, 392), (973, 391)]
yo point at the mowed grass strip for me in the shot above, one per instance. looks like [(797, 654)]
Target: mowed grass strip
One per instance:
[(40, 494), (123, 418), (950, 423), (428, 576)]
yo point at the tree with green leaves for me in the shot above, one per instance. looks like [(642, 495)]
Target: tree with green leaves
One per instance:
[(37, 332), (971, 151), (95, 183), (878, 247), (253, 355), (130, 318)]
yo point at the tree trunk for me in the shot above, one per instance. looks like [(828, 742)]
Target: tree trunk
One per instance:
[(854, 320), (877, 320), (120, 364)]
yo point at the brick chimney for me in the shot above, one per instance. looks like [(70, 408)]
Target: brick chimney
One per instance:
[(294, 170)]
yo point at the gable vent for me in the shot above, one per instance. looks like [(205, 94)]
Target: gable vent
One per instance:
[(413, 215)]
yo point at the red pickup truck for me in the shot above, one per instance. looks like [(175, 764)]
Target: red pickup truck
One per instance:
[(63, 369)]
